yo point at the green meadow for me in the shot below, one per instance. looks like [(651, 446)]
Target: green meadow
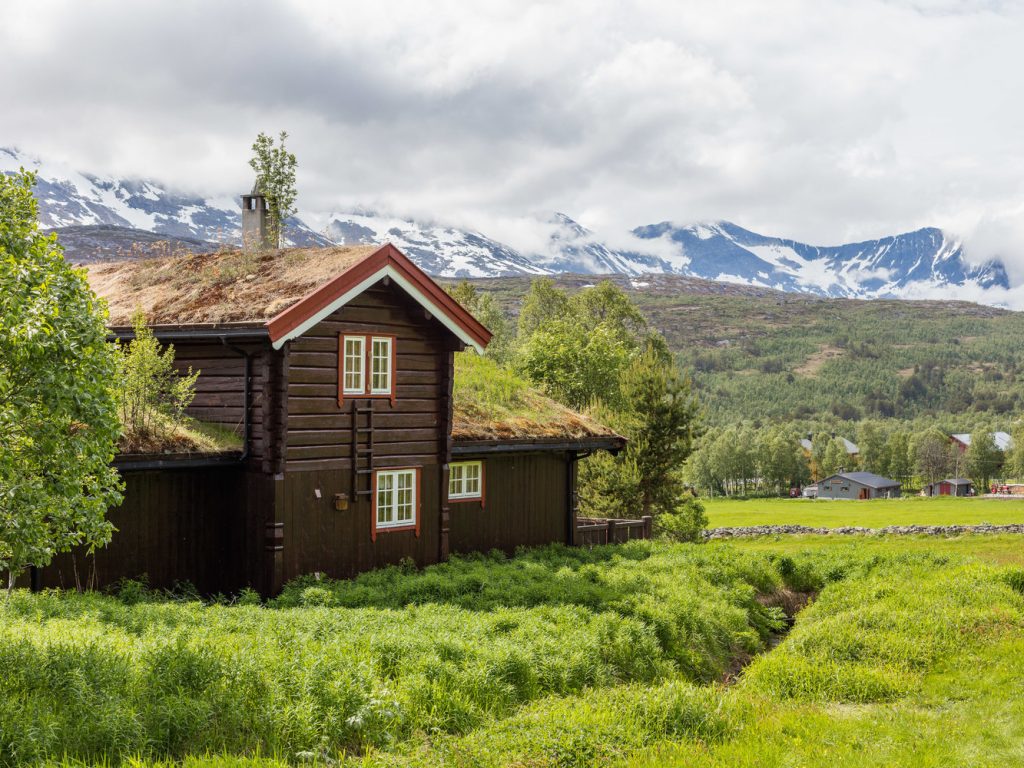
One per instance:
[(874, 513), (911, 652)]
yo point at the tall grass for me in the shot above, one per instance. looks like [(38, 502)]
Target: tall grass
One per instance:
[(341, 667), (557, 657)]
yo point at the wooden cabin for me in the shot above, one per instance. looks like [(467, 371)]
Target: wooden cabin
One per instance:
[(335, 366)]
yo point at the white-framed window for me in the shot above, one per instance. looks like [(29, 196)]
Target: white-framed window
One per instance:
[(354, 353), (365, 366), (466, 480), (380, 365), (395, 498)]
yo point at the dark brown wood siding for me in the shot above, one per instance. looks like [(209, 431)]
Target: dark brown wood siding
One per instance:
[(319, 538), (220, 388), (408, 432), (318, 439), (174, 525), (525, 504)]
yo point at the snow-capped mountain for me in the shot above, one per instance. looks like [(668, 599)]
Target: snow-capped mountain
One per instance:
[(887, 267), (439, 250), (97, 216), (68, 197)]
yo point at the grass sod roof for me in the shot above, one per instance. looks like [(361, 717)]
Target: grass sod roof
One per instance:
[(227, 286), (492, 403), (189, 437), (230, 286)]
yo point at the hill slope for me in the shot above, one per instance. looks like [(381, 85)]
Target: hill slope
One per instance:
[(757, 353)]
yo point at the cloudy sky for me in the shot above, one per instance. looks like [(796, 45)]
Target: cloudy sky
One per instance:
[(824, 120)]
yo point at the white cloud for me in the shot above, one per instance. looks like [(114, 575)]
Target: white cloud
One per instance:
[(821, 120)]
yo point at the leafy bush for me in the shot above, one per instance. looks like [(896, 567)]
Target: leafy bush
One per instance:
[(685, 522), (152, 395)]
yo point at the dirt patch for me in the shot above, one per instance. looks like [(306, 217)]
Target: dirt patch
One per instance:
[(791, 603), (813, 364), (905, 373)]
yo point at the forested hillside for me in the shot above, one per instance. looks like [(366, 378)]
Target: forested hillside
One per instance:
[(760, 354)]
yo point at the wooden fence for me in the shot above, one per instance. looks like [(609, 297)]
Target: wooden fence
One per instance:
[(592, 532)]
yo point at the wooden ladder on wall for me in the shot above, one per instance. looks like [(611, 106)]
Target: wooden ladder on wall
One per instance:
[(362, 449)]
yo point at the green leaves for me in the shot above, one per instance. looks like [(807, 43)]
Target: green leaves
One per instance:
[(275, 177), (57, 412), (152, 396)]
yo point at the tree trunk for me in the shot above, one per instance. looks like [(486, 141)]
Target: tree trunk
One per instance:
[(12, 576)]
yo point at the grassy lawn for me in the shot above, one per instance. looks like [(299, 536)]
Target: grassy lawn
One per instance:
[(646, 654), (1007, 550), (876, 513)]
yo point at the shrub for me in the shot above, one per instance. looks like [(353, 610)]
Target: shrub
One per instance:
[(685, 523), (152, 395)]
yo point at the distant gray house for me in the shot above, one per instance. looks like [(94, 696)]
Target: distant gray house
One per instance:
[(858, 485)]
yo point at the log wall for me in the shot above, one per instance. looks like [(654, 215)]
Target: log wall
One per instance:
[(318, 442), (525, 504), (174, 525)]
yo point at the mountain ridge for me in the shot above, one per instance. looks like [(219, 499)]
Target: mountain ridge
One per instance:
[(923, 262)]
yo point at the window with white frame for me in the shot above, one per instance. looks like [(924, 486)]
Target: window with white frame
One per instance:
[(466, 480), (354, 352), (366, 365), (380, 365), (396, 498)]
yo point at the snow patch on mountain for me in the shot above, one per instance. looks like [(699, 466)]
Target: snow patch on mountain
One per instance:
[(440, 250), (927, 262), (923, 260), (68, 197)]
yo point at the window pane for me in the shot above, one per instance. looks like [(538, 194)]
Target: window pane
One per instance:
[(381, 366), (455, 480), (466, 480), (396, 497), (385, 497), (354, 346)]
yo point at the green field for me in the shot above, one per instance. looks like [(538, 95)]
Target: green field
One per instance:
[(876, 513), (646, 654)]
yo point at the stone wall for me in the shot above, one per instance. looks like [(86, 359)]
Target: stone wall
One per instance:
[(743, 532)]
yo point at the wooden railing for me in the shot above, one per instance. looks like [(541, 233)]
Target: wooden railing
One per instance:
[(593, 532)]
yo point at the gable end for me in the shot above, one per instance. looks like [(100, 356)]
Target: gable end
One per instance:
[(387, 262)]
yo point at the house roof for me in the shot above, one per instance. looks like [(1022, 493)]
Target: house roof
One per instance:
[(1003, 440), (492, 403), (870, 479), (286, 291), (958, 481), (851, 448)]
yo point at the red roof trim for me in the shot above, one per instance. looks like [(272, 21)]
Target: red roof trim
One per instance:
[(387, 255)]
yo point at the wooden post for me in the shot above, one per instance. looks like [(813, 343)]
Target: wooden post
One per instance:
[(611, 532), (447, 370), (571, 500), (648, 525)]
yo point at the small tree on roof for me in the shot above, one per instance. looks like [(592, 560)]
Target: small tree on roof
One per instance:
[(58, 417), (275, 178)]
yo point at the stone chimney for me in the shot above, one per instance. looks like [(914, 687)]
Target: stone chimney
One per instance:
[(256, 234)]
